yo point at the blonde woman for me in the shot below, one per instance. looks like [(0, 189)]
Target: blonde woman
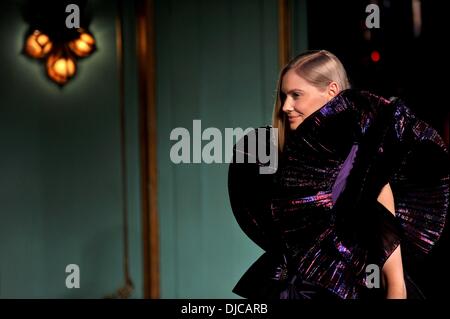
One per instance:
[(361, 191)]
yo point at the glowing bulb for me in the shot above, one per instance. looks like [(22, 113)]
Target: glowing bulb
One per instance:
[(42, 39), (64, 67), (84, 45), (86, 37), (38, 45), (60, 68)]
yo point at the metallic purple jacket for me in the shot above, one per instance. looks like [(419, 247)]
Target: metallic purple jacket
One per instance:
[(317, 218)]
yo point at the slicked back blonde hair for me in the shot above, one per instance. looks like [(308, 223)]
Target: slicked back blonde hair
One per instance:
[(319, 68)]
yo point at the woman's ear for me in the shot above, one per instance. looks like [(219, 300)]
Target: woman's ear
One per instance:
[(333, 90)]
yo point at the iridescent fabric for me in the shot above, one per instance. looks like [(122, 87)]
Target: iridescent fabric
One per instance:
[(318, 218)]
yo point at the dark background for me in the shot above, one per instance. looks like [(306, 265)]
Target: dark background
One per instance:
[(412, 68)]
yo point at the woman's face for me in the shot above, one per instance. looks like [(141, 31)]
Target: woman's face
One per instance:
[(302, 98)]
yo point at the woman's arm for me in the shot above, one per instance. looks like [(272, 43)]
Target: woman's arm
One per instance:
[(392, 272)]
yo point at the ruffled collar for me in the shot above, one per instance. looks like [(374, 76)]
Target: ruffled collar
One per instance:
[(326, 112), (330, 130)]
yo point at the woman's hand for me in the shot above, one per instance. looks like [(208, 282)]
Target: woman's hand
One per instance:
[(392, 272)]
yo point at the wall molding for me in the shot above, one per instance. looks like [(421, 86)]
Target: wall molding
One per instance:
[(148, 146), (284, 32)]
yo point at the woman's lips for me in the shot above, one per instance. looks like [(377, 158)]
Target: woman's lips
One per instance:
[(293, 118)]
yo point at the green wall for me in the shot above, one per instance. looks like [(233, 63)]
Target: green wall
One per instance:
[(299, 26), (61, 189), (217, 62)]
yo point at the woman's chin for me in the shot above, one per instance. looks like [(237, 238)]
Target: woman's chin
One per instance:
[(293, 126)]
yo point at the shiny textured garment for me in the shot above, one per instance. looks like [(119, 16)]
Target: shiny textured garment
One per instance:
[(318, 219)]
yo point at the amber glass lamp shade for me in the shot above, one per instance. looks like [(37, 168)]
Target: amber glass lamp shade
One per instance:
[(38, 45), (84, 45), (59, 50), (61, 67)]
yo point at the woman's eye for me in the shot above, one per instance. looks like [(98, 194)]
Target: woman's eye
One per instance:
[(295, 95)]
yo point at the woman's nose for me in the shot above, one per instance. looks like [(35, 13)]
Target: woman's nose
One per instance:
[(287, 106)]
